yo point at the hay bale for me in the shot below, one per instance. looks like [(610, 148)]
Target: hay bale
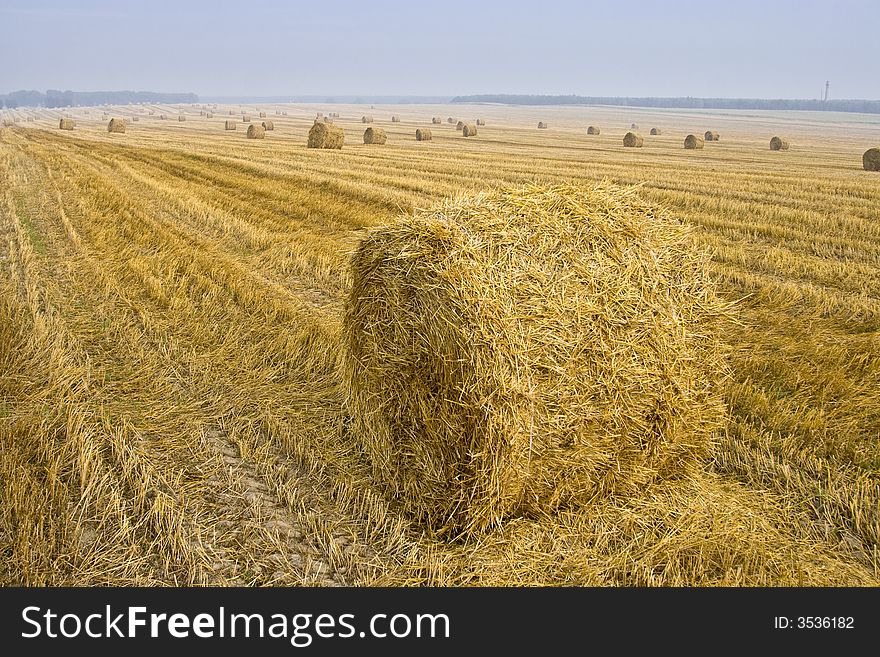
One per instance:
[(366, 119), (593, 130), (632, 140), (162, 117), (542, 125), (66, 124), (711, 136), (325, 135), (319, 115), (374, 136), (634, 126), (231, 113), (245, 118), (656, 131), (181, 118), (262, 115), (459, 126), (255, 131), (395, 119), (116, 125), (524, 350), (277, 112), (268, 125), (283, 113), (481, 122), (450, 120), (135, 119), (230, 125), (778, 144), (437, 120), (469, 130), (871, 159), (423, 134), (692, 142)]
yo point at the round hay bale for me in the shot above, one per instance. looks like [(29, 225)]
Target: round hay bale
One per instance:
[(181, 118), (283, 113), (255, 131), (423, 134), (871, 159), (162, 117), (656, 131), (245, 118), (231, 113), (692, 142), (374, 136), (326, 135), (277, 112), (542, 125), (268, 125), (436, 120), (66, 124), (593, 130), (634, 126), (116, 125), (469, 130), (135, 118), (523, 350), (230, 125), (366, 119), (711, 135), (459, 126), (395, 119), (262, 115), (632, 140), (778, 144), (481, 122), (319, 115)]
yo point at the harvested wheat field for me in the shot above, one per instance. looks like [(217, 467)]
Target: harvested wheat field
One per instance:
[(667, 362)]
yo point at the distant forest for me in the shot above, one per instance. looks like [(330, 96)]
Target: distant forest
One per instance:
[(864, 106), (55, 98)]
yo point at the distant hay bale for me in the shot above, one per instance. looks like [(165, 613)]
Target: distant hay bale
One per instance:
[(436, 120), (634, 126), (161, 117), (255, 131), (283, 113), (268, 125), (423, 134), (151, 112), (374, 136), (656, 131), (481, 122), (262, 115), (395, 119), (593, 130), (116, 125), (202, 113), (459, 126), (542, 125), (66, 124), (450, 120), (135, 118), (319, 115), (778, 144), (692, 142), (632, 140), (469, 130), (231, 113), (366, 119), (521, 351), (325, 135), (711, 136), (230, 125), (181, 118), (277, 112), (871, 159), (209, 115), (245, 118)]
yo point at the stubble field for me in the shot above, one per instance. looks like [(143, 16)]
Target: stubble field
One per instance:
[(171, 391)]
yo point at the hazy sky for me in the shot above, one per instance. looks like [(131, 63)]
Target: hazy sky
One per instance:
[(735, 48)]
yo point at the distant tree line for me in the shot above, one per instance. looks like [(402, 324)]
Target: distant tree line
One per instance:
[(56, 98), (865, 106)]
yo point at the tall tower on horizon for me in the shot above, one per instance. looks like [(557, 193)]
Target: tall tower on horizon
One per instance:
[(827, 84)]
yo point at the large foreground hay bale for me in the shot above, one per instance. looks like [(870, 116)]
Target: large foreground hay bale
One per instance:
[(66, 124), (656, 131), (779, 144), (542, 125), (423, 134), (593, 130), (518, 351), (255, 131), (268, 125), (375, 136), (230, 125), (711, 135), (632, 140), (871, 159), (469, 130), (116, 125), (692, 142), (326, 135)]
